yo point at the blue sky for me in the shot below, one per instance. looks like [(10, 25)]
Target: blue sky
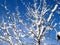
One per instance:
[(12, 4)]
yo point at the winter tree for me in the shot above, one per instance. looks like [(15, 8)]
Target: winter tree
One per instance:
[(33, 25)]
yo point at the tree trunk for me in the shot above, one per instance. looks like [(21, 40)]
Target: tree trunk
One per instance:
[(38, 41), (39, 35)]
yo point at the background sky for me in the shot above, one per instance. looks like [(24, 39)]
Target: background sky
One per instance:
[(11, 8)]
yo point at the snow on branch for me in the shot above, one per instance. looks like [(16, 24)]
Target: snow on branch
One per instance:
[(55, 8), (6, 40), (50, 16)]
